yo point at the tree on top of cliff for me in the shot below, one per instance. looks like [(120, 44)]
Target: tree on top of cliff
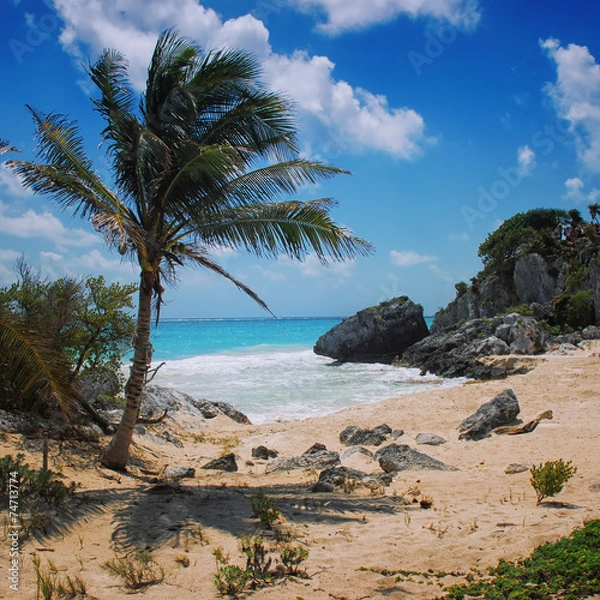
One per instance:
[(531, 231)]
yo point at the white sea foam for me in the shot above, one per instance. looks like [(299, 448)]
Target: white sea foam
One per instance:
[(269, 383)]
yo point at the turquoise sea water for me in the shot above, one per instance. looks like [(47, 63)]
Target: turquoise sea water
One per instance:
[(266, 367)]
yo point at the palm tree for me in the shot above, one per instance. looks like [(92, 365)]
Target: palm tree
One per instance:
[(202, 162), (594, 211)]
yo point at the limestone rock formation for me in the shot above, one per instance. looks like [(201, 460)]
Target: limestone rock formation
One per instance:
[(355, 436), (502, 410), (157, 399), (396, 457), (343, 477), (456, 352), (376, 334), (316, 457), (223, 463)]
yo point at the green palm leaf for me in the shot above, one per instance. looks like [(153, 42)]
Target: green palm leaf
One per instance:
[(32, 368)]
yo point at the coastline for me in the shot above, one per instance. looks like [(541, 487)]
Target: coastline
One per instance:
[(479, 513)]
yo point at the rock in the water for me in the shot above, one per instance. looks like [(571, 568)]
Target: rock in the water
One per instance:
[(376, 334), (430, 439), (264, 453), (176, 473), (396, 457), (223, 463), (355, 436), (502, 410)]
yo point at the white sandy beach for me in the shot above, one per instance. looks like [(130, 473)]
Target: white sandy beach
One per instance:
[(479, 513)]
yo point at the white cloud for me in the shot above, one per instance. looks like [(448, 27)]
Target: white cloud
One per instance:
[(576, 97), (353, 119), (343, 117), (575, 190), (30, 224), (526, 160), (345, 15), (409, 258), (574, 186), (310, 267), (97, 262), (11, 183)]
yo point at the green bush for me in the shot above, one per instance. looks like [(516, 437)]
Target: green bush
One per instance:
[(231, 580), (580, 309), (35, 485), (291, 557), (264, 509), (568, 569), (523, 309), (549, 479), (461, 288), (257, 561)]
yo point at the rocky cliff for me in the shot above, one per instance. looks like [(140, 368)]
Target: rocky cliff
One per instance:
[(377, 334), (541, 286)]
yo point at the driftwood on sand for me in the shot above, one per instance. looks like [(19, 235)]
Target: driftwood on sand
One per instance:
[(526, 427)]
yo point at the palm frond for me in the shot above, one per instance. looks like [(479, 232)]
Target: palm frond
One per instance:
[(255, 120), (34, 367), (65, 173), (289, 228), (170, 68), (279, 179), (202, 259), (6, 147)]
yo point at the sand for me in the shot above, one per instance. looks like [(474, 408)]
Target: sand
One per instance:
[(357, 540)]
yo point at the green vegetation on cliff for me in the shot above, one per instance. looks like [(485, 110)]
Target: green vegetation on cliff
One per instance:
[(532, 231), (539, 261)]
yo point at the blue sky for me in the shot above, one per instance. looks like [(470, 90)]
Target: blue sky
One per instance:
[(452, 115)]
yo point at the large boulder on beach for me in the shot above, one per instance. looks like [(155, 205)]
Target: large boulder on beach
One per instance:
[(502, 410), (316, 457), (400, 457), (347, 479), (377, 334), (223, 463), (156, 399), (356, 436)]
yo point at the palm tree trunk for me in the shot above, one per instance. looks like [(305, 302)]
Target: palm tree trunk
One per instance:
[(117, 453)]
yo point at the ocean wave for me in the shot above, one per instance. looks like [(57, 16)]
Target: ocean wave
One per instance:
[(271, 383)]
